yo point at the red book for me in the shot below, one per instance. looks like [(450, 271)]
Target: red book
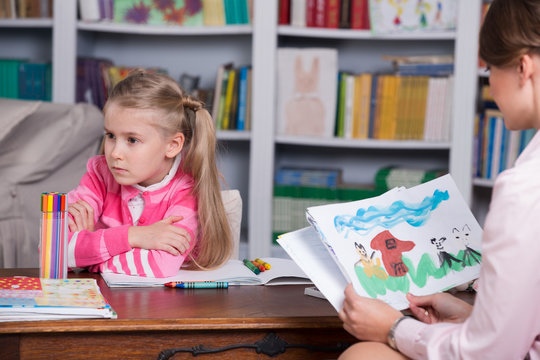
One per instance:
[(284, 12), (310, 13), (332, 13), (320, 13), (359, 14)]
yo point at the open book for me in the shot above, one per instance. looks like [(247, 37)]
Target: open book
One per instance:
[(282, 272), (25, 298), (420, 240)]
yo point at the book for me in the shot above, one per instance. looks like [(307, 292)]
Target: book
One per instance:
[(298, 13), (213, 13), (421, 240), (282, 272), (389, 16), (28, 299), (306, 82)]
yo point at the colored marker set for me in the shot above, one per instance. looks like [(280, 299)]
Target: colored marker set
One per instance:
[(257, 265), (53, 236)]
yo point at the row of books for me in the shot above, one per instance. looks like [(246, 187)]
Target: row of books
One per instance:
[(96, 77), (14, 9), (173, 12), (495, 147), (345, 14), (21, 79), (296, 189), (231, 107), (380, 16), (394, 107)]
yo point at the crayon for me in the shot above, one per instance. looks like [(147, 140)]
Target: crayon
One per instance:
[(257, 265), (265, 264), (198, 284), (251, 267)]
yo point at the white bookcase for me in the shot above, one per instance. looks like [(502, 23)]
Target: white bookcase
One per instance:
[(249, 158)]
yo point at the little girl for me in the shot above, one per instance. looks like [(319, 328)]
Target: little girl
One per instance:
[(153, 201)]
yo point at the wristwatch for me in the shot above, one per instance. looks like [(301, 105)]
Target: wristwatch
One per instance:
[(392, 332)]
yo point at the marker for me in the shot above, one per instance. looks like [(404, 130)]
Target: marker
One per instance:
[(266, 265), (251, 267), (198, 284)]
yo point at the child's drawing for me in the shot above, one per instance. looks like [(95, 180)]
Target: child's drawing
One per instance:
[(306, 99), (409, 230), (304, 110), (470, 256), (387, 16), (369, 266), (444, 257)]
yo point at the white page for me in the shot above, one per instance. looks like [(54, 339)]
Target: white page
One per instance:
[(309, 252)]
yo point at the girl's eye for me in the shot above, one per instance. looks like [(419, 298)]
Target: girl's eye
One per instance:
[(132, 140), (109, 136)]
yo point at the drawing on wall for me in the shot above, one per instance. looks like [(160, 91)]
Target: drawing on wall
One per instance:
[(307, 79), (152, 12), (420, 240), (388, 16)]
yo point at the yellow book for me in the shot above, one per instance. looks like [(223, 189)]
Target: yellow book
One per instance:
[(365, 104), (392, 107), (228, 100), (357, 103), (213, 13), (379, 107), (421, 107), (403, 106)]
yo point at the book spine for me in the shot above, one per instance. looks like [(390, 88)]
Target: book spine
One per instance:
[(332, 13), (320, 13), (242, 95), (284, 12), (298, 13), (310, 13)]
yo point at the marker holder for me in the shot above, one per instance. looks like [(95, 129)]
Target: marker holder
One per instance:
[(53, 236)]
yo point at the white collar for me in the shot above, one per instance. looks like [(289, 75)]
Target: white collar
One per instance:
[(166, 180)]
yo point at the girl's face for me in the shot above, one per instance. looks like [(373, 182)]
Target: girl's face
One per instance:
[(136, 152)]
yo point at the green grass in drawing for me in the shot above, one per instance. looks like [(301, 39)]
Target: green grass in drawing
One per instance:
[(419, 274)]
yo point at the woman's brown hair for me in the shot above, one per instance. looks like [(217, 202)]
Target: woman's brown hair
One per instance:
[(510, 30)]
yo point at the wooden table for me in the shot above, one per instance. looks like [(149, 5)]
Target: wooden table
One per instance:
[(241, 322)]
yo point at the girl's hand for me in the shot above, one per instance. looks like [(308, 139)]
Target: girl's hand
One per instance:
[(83, 216), (440, 307), (367, 318), (162, 235)]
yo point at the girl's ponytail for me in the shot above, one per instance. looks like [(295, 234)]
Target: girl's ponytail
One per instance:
[(199, 160)]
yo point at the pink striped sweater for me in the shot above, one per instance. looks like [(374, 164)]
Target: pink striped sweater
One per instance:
[(107, 248)]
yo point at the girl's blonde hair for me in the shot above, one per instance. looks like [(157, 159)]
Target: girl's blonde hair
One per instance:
[(145, 90)]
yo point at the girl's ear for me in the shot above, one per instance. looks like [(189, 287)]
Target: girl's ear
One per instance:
[(175, 145)]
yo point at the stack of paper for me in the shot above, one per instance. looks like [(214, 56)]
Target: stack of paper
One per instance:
[(24, 298), (420, 240)]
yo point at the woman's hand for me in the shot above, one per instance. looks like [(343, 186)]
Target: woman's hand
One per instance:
[(162, 235), (367, 318), (440, 307), (83, 216)]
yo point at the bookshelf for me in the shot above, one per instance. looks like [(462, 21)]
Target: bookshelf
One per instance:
[(248, 159)]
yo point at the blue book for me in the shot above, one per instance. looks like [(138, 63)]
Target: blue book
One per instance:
[(491, 141), (426, 69), (242, 98)]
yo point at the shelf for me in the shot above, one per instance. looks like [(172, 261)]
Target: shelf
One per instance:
[(164, 30), (235, 135), (362, 144), (27, 23), (483, 182), (361, 34)]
